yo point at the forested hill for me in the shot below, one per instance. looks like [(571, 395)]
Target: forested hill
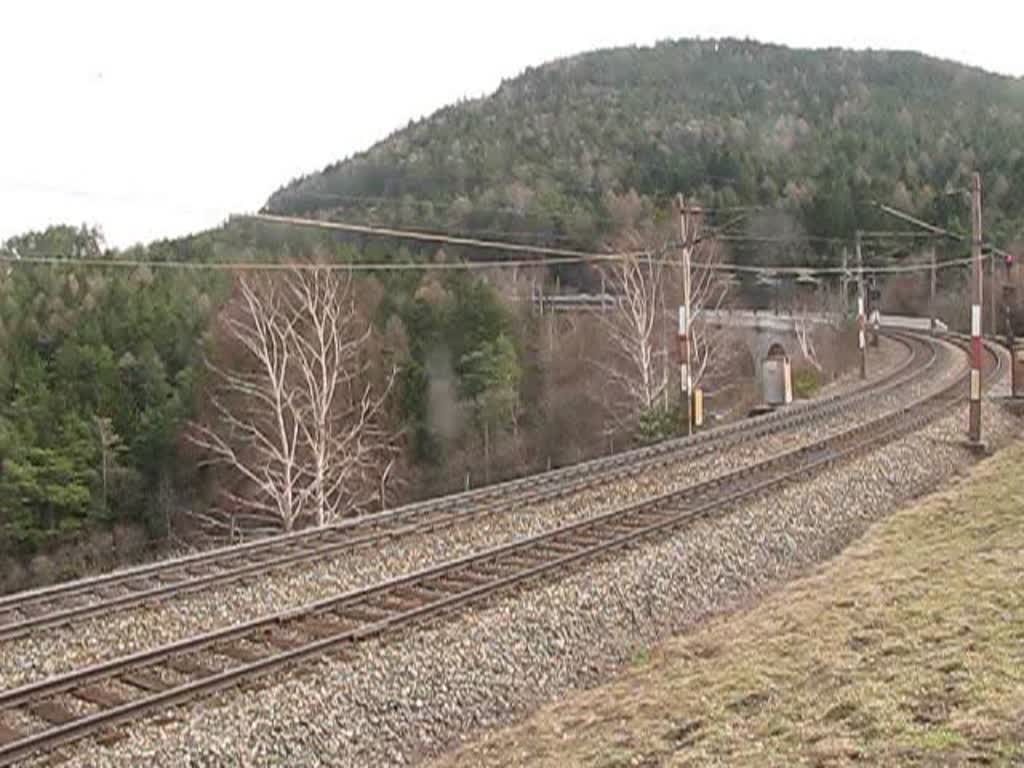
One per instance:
[(822, 133)]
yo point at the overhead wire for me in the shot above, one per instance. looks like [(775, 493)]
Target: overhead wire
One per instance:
[(550, 256), (278, 266), (434, 237), (940, 231)]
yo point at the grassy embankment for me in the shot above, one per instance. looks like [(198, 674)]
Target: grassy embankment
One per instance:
[(908, 649)]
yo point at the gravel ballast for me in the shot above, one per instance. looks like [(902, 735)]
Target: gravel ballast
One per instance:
[(407, 697)]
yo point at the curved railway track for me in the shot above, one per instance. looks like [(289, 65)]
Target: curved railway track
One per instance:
[(64, 708), (27, 612)]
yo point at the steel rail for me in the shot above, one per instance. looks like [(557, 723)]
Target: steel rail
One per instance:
[(433, 591), (26, 612)]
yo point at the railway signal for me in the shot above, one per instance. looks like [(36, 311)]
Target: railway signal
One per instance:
[(874, 302)]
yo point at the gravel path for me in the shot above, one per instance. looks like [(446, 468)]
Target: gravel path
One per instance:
[(61, 649), (409, 697)]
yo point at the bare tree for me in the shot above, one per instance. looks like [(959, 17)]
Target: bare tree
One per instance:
[(297, 421), (647, 282), (802, 325), (638, 368), (254, 429), (342, 433)]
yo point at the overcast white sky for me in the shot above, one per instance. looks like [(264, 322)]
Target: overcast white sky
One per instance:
[(157, 119)]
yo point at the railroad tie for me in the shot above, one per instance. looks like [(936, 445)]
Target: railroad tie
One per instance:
[(560, 549), (489, 572), (190, 667), (70, 602), (145, 681), (446, 586), (52, 712), (143, 584), (258, 558), (98, 695), (366, 614), (34, 610), (586, 542), (400, 602), (466, 580), (321, 628), (281, 641), (242, 653), (430, 521), (111, 591), (523, 561), (171, 578), (9, 735), (423, 594)]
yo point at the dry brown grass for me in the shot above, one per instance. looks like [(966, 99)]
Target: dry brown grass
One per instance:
[(908, 649)]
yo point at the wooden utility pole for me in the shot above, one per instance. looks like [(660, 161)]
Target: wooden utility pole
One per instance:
[(931, 298), (974, 416), (861, 319)]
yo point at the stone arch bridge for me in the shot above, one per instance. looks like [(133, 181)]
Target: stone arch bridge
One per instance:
[(773, 340), (774, 343)]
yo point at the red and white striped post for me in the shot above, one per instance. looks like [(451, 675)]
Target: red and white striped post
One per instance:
[(974, 416), (685, 377), (686, 237), (860, 337), (861, 317)]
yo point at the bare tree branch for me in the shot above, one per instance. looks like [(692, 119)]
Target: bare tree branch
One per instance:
[(647, 287), (299, 423)]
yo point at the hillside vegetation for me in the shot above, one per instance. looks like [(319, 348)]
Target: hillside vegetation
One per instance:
[(582, 146)]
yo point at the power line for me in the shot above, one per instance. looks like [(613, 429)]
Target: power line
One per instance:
[(879, 236), (935, 230), (797, 271), (434, 237), (510, 246), (423, 234), (474, 231), (743, 210), (552, 256), (271, 266), (277, 266), (939, 231)]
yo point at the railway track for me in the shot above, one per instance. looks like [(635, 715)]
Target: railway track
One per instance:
[(24, 613), (64, 708)]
